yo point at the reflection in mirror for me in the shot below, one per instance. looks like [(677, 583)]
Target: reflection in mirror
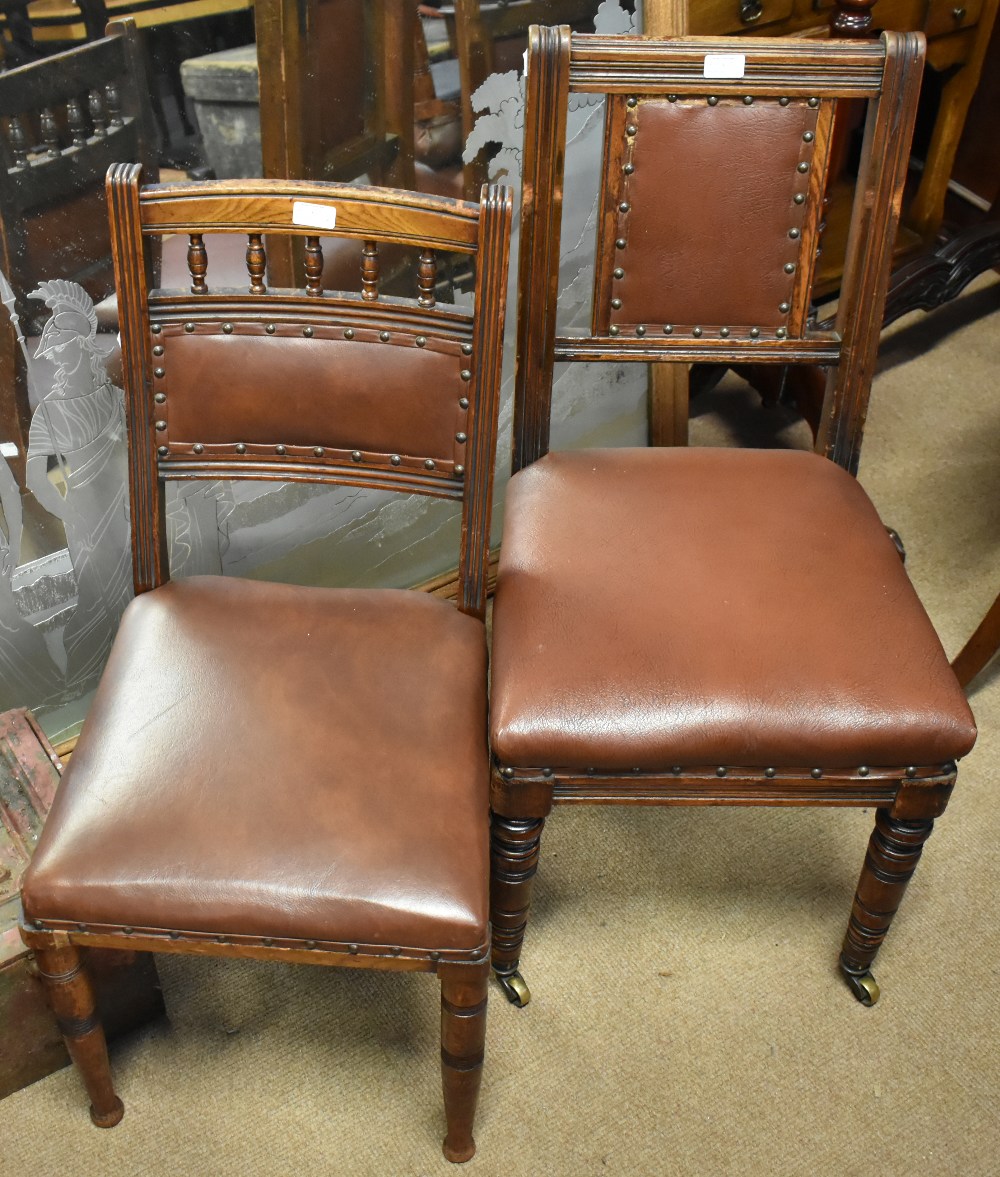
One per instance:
[(403, 86)]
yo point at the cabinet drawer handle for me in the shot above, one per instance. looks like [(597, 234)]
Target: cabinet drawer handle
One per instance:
[(751, 11)]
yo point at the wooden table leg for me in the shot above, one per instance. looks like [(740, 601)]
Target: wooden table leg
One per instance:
[(980, 648)]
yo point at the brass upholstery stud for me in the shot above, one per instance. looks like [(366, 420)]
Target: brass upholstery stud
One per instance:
[(676, 770), (507, 772), (816, 773), (619, 272), (466, 349), (808, 137), (269, 328), (158, 350), (435, 956), (803, 167), (461, 438), (395, 459), (546, 772), (421, 340), (799, 198), (189, 327), (748, 100), (349, 333), (911, 771), (227, 328), (395, 950), (724, 332), (668, 328), (631, 101), (81, 927), (754, 332), (160, 398), (769, 772), (428, 463), (352, 948), (628, 169), (175, 935), (268, 941), (614, 329), (159, 373), (631, 129), (384, 336), (620, 243), (794, 234), (781, 332), (624, 208), (616, 304), (222, 939), (696, 332), (156, 328), (789, 267), (319, 451), (863, 770), (310, 944), (463, 402), (128, 931), (198, 448), (466, 374), (814, 102), (356, 455), (671, 97), (163, 451), (279, 449), (307, 332), (712, 100), (241, 448), (720, 771), (640, 330), (784, 307), (784, 100), (459, 471), (160, 426)]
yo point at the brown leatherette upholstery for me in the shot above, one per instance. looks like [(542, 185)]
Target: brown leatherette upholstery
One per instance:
[(710, 606), (706, 176), (336, 835), (256, 388)]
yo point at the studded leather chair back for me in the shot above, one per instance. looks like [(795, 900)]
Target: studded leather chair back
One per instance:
[(710, 217), (335, 387)]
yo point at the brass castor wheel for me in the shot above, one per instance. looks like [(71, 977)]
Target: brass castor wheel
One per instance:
[(514, 988), (863, 986)]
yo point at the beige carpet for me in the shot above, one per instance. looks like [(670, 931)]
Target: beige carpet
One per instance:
[(687, 1014)]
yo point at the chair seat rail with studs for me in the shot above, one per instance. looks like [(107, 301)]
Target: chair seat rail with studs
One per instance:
[(712, 626), (364, 711)]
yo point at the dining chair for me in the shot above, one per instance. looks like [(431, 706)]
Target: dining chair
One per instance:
[(712, 626), (65, 119), (270, 771)]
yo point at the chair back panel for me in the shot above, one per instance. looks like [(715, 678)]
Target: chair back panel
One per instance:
[(715, 170), (688, 175), (306, 385), (380, 398)]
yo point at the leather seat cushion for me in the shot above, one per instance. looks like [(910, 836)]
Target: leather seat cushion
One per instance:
[(702, 607), (269, 760)]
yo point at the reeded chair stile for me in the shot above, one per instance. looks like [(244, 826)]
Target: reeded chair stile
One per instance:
[(271, 771), (712, 626)]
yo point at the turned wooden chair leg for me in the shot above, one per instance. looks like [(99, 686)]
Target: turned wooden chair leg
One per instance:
[(893, 853), (514, 860), (463, 1041), (72, 999)]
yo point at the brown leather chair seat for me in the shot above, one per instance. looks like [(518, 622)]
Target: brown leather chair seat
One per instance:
[(280, 733), (783, 629)]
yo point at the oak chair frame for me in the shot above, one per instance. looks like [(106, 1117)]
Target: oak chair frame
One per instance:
[(888, 74), (140, 214)]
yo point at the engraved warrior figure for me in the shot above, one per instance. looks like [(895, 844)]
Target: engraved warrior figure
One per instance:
[(79, 423)]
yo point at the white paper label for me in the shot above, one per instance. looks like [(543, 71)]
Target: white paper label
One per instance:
[(315, 216), (725, 65), (8, 449)]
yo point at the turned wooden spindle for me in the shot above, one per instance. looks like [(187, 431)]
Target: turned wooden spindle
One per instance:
[(314, 266), (369, 271), (18, 142), (98, 116), (77, 126), (50, 132), (427, 278), (197, 260), (256, 263), (114, 104)]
